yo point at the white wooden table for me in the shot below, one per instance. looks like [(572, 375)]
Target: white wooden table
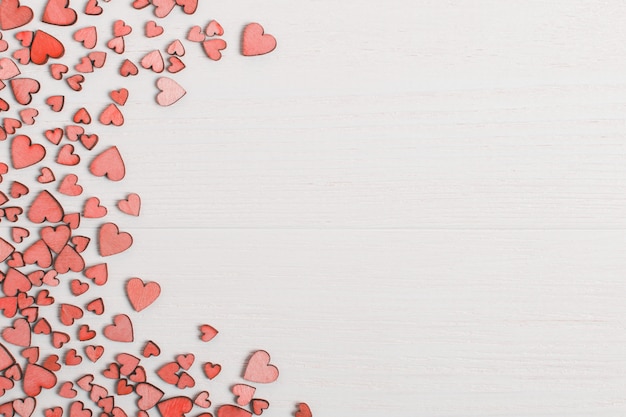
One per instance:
[(417, 207)]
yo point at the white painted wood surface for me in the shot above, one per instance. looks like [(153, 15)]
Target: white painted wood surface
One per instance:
[(417, 207)]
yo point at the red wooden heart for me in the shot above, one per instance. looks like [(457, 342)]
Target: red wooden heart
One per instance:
[(36, 378), (89, 141), (142, 295), (93, 209), (12, 15), (232, 411), (28, 116), (56, 237), (68, 313), (152, 29), (213, 48), (45, 46), (121, 330), (69, 260), (111, 115), (163, 8), (98, 273), (109, 163), (175, 407), (151, 349), (207, 332), (214, 29), (303, 410), (88, 36), (202, 400), (195, 34), (58, 12), (131, 205), (258, 405), (185, 381), (255, 41), (189, 6), (120, 28), (72, 358), (77, 409), (128, 68), (92, 8), (211, 370), (84, 66), (176, 65), (66, 156), (25, 407), (75, 82), (111, 241), (53, 412), (6, 359), (69, 186), (149, 395), (117, 44), (176, 48), (38, 253), (127, 362), (67, 391), (123, 388), (55, 103), (84, 333), (153, 60), (94, 352), (259, 368), (8, 69), (45, 207), (168, 372), (119, 96), (185, 361), (23, 89), (244, 393), (170, 93)]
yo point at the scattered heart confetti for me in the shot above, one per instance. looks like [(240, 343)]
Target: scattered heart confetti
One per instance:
[(38, 254)]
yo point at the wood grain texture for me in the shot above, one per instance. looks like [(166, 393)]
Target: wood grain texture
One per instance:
[(417, 207)]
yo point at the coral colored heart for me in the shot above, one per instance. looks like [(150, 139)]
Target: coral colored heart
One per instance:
[(24, 153), (141, 294), (131, 205), (58, 12), (207, 332), (303, 410), (112, 241), (8, 69), (211, 370), (12, 15), (111, 115), (149, 395), (259, 368), (45, 46), (258, 405), (175, 407), (232, 411), (119, 96), (170, 93), (121, 330), (244, 393), (37, 378), (255, 41), (110, 164), (213, 48), (88, 36)]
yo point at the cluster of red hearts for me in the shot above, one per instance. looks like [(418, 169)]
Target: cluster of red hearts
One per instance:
[(43, 247)]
